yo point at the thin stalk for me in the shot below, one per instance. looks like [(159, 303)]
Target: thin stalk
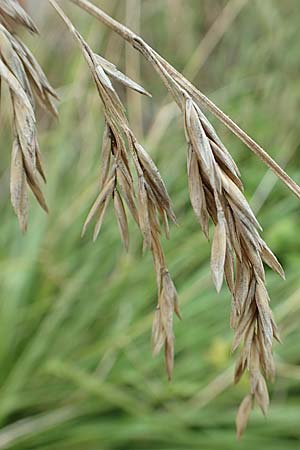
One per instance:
[(138, 43)]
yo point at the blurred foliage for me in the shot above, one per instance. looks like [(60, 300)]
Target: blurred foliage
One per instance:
[(75, 317)]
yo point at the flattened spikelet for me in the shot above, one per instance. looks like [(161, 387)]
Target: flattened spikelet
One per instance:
[(105, 193), (112, 71), (18, 189), (243, 415), (121, 219), (218, 253), (197, 194), (101, 215), (144, 219), (13, 10)]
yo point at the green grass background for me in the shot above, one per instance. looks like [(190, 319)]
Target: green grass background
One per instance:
[(76, 370)]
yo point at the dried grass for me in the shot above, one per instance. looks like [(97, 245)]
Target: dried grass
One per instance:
[(238, 252), (23, 76), (130, 177), (123, 161)]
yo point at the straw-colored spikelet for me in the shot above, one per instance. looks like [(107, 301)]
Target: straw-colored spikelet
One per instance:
[(23, 76), (12, 13)]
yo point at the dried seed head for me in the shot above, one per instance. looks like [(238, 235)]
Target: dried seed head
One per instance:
[(237, 249), (216, 192), (23, 76), (116, 179)]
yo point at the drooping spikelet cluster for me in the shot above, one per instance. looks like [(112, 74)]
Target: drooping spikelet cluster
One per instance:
[(216, 192), (24, 78), (130, 181), (129, 176), (238, 252)]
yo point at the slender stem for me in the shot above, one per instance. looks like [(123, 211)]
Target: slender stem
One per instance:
[(107, 20), (138, 43), (66, 20)]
